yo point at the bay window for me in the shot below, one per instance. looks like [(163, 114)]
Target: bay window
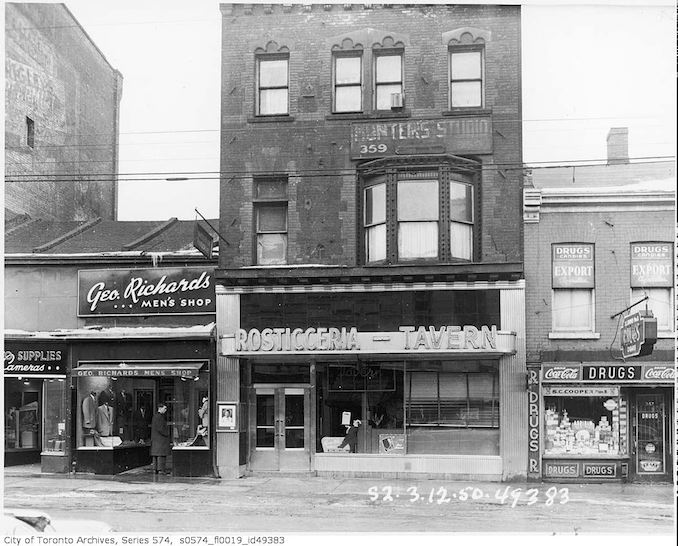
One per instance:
[(422, 214)]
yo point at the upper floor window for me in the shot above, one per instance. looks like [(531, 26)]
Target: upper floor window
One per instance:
[(466, 78), (348, 88), (433, 217), (272, 85), (270, 218), (652, 277), (573, 282), (388, 80)]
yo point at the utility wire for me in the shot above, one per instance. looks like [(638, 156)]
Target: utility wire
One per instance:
[(195, 175)]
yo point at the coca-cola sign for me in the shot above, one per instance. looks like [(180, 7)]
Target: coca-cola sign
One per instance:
[(160, 291), (659, 373), (562, 373)]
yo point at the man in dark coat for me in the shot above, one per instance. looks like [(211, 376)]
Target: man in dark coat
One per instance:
[(142, 424), (160, 440), (351, 438)]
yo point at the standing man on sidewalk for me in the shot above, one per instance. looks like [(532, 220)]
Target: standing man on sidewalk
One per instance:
[(160, 442)]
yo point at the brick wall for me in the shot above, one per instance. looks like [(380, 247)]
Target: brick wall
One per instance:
[(314, 146), (56, 77), (612, 232)]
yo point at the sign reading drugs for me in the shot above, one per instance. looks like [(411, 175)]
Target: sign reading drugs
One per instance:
[(161, 291), (573, 265), (651, 265)]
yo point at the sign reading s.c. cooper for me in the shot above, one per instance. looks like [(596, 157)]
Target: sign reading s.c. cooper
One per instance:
[(162, 291), (458, 135)]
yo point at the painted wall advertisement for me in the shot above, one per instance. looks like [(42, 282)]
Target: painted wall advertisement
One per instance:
[(651, 265), (161, 291), (573, 265)]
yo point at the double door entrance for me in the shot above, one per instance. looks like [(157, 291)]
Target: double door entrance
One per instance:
[(280, 431)]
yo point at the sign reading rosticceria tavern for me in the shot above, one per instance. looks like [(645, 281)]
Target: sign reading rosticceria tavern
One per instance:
[(162, 291), (407, 339)]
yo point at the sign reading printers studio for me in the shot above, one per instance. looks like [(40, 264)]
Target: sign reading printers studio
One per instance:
[(161, 291)]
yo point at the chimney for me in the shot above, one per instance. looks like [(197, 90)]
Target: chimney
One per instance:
[(618, 146)]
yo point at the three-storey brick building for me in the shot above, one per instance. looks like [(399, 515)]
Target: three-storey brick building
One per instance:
[(371, 196)]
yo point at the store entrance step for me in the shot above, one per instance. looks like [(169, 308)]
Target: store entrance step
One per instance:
[(281, 473)]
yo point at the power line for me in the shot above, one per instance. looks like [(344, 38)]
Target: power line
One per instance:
[(306, 173)]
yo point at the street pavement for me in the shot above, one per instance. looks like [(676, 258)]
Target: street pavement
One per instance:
[(143, 502)]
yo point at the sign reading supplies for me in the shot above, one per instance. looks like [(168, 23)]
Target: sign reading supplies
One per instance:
[(161, 291), (572, 265), (651, 265)]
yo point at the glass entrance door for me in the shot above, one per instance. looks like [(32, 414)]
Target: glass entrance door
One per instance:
[(650, 436), (281, 435)]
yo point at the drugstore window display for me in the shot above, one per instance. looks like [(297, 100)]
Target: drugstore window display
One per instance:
[(117, 412), (583, 426)]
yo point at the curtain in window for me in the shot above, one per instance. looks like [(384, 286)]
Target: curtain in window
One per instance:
[(659, 302), (375, 241), (418, 219), (272, 248), (273, 87), (573, 309), (418, 240), (461, 241), (375, 222)]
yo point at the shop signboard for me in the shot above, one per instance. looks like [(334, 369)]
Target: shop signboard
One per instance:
[(557, 469), (600, 470), (393, 444), (581, 391), (159, 291), (632, 335), (651, 265), (468, 339), (608, 373), (203, 241), (35, 358), (572, 265), (533, 421), (454, 135)]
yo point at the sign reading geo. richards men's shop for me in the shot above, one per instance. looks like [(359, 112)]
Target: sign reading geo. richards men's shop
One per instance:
[(161, 291)]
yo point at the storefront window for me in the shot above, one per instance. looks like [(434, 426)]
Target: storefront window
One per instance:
[(452, 407), (117, 411), (54, 429), (581, 425), (22, 414)]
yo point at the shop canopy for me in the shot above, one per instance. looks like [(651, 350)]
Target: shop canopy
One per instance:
[(178, 369)]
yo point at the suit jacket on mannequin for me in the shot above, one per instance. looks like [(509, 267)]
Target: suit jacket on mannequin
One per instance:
[(105, 420), (89, 405)]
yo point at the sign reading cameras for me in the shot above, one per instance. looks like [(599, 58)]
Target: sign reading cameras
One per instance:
[(162, 291)]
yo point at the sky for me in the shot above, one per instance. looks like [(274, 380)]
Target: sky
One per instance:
[(586, 67)]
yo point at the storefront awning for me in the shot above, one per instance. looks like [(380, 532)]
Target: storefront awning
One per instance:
[(140, 369)]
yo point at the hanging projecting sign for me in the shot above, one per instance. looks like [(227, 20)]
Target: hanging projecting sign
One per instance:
[(651, 265), (35, 358), (458, 135), (573, 265), (161, 291)]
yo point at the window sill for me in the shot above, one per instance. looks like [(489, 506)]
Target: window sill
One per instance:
[(466, 112), (574, 335), (666, 335), (270, 119), (380, 114)]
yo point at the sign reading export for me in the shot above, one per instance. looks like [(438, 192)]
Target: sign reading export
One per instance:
[(459, 135), (572, 265), (651, 265), (162, 291), (35, 358)]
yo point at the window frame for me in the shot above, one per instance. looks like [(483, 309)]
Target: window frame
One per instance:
[(452, 50), (259, 58), (445, 174), (575, 330), (30, 132), (376, 53), (343, 55), (258, 203)]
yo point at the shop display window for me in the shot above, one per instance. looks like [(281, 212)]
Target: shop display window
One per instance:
[(22, 414), (585, 426), (117, 412), (54, 426)]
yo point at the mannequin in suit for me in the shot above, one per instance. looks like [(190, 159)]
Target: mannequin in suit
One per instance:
[(105, 420), (89, 418), (123, 408), (142, 424)]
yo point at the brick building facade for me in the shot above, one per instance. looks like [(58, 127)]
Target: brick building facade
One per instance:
[(599, 251), (371, 183), (62, 101)]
